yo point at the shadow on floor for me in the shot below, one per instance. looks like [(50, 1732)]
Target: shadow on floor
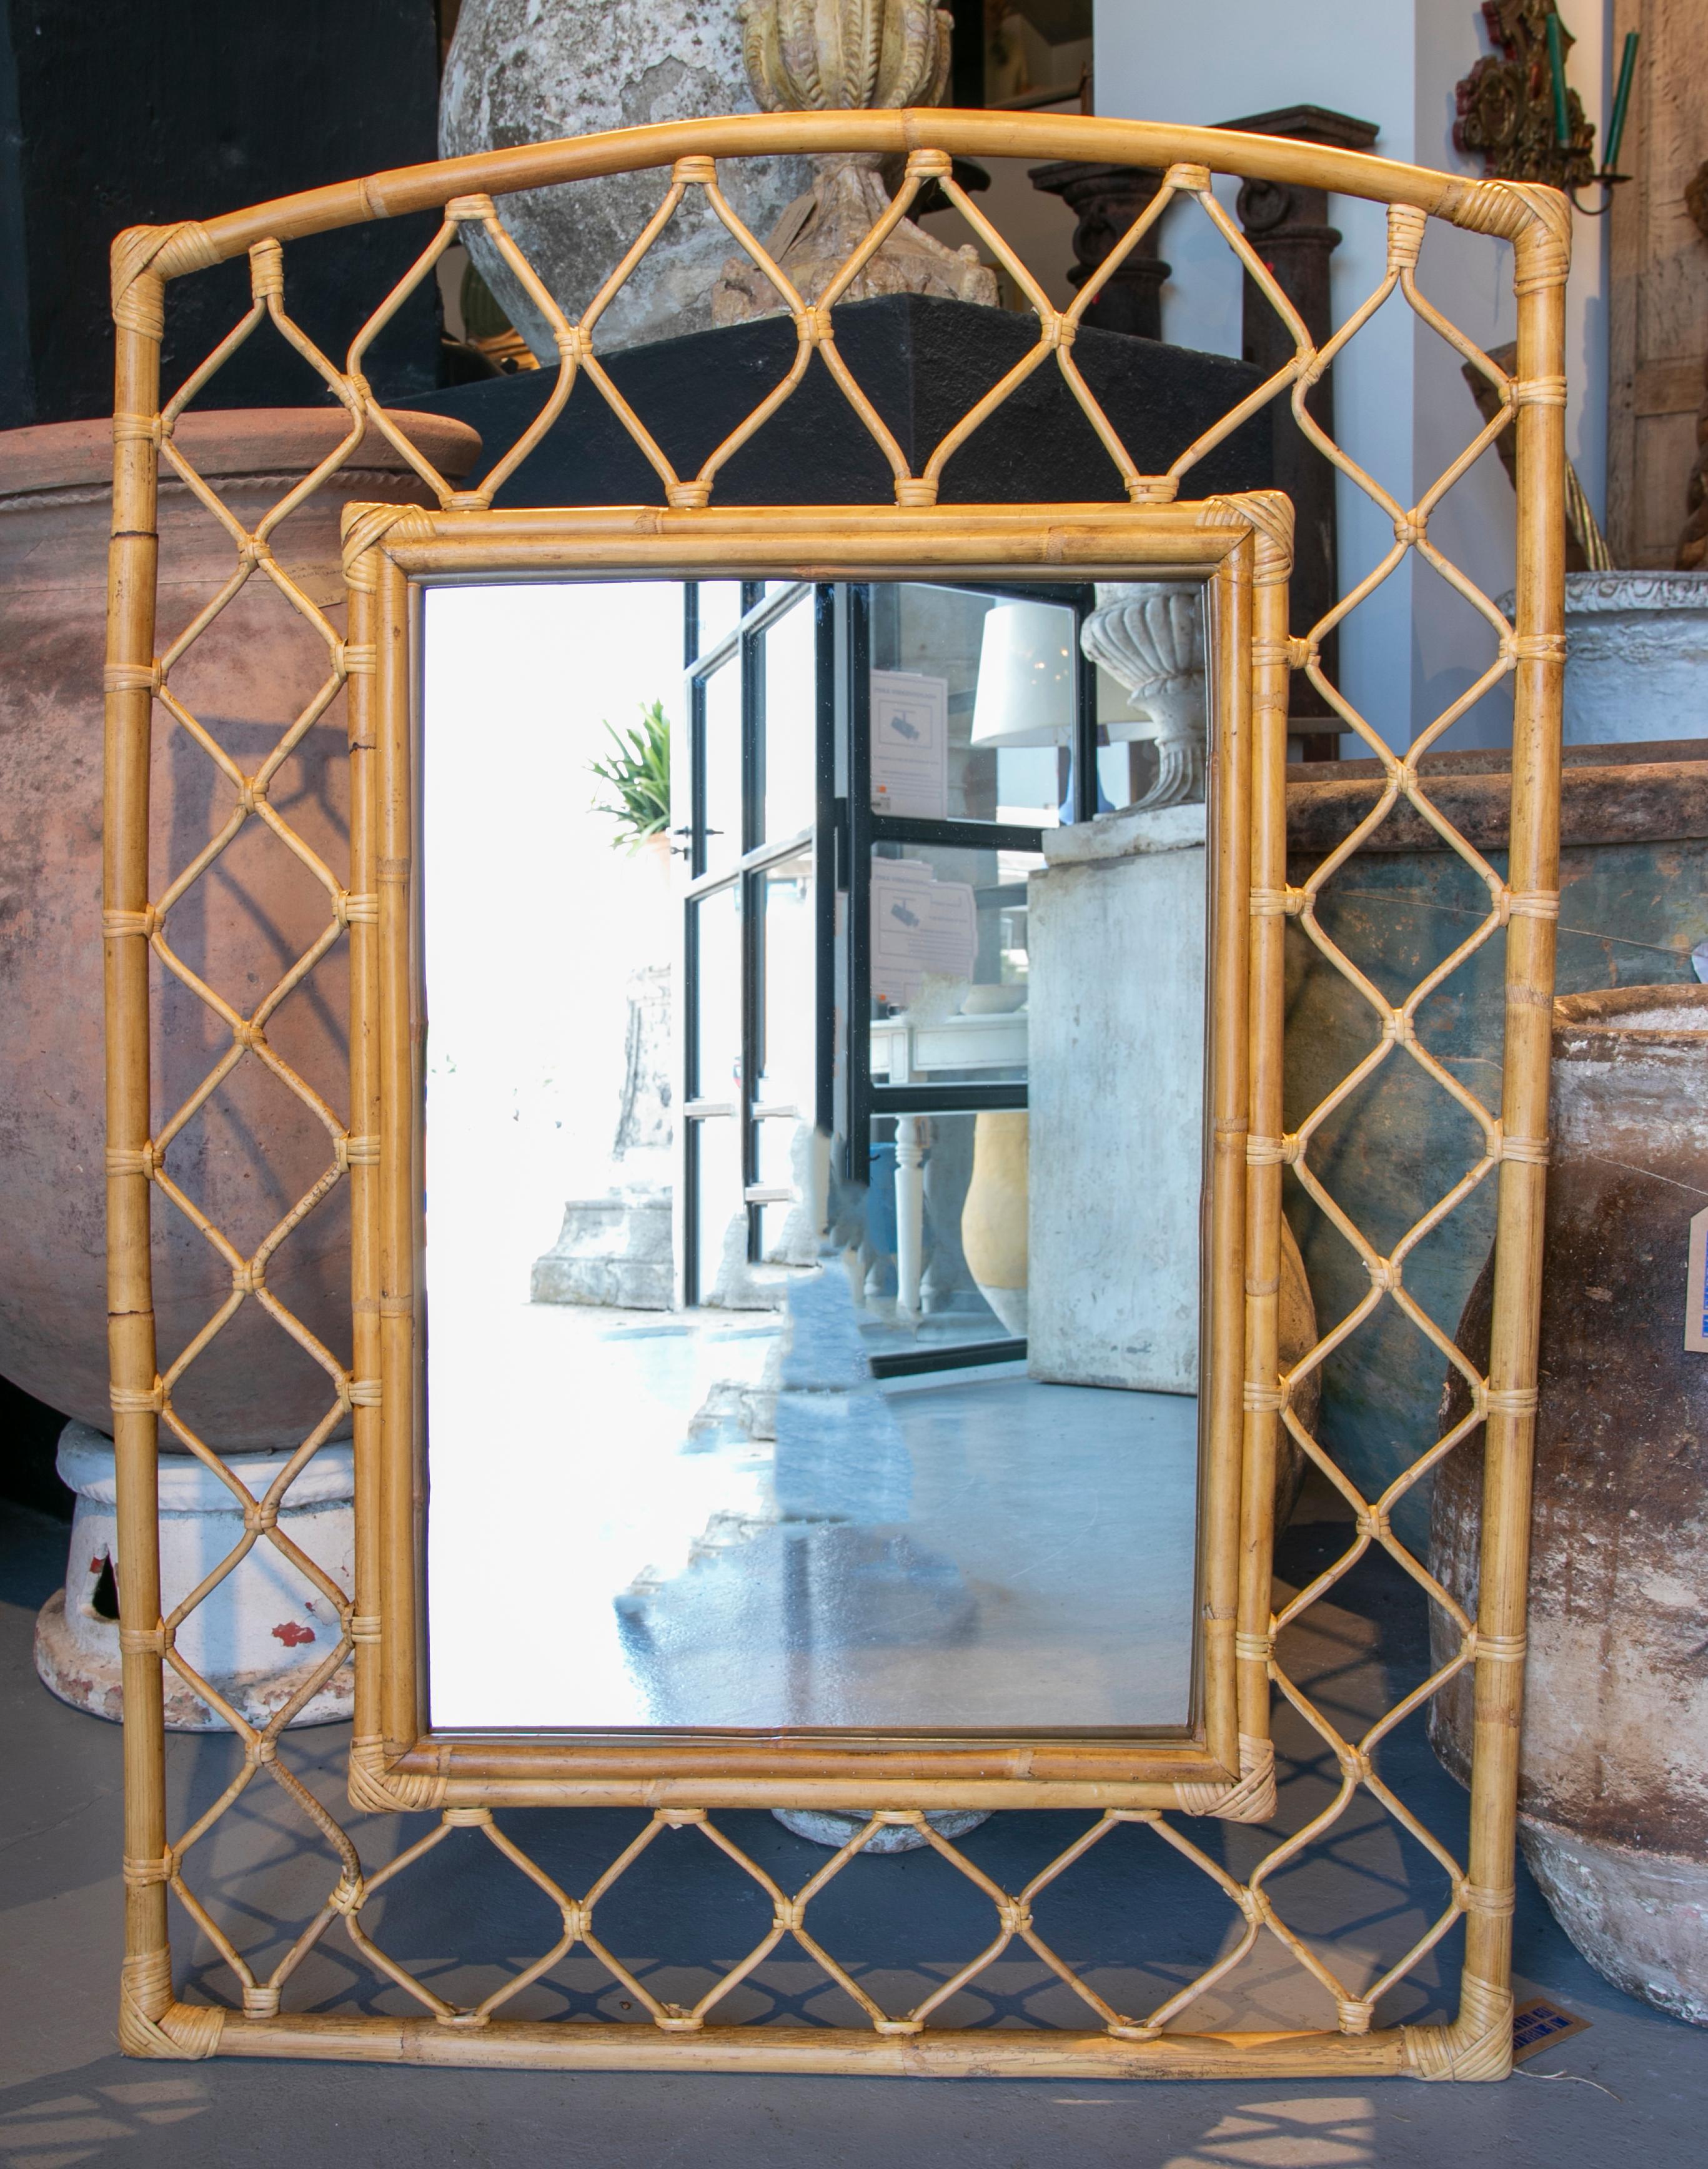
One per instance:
[(685, 1913)]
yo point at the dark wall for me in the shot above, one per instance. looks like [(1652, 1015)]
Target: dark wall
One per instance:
[(116, 112), (28, 1438)]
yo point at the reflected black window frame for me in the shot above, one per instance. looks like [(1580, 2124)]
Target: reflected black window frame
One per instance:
[(742, 649), (857, 1100)]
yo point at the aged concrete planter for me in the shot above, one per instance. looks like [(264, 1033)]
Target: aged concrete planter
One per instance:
[(1614, 1782), (1636, 656), (257, 663), (521, 73), (1633, 879)]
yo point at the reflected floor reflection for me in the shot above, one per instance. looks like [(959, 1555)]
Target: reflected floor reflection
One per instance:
[(719, 1519), (1041, 1577)]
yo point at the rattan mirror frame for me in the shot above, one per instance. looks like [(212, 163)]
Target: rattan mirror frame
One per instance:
[(1475, 2044), (1221, 1762)]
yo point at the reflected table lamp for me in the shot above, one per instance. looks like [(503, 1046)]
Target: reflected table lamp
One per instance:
[(1025, 697)]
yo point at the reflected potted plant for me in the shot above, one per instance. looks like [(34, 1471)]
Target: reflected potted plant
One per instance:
[(615, 1250), (638, 771)]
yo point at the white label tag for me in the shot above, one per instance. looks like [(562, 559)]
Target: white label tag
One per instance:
[(1696, 1290), (909, 745)]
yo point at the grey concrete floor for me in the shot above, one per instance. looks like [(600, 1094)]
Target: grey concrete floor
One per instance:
[(1634, 2086)]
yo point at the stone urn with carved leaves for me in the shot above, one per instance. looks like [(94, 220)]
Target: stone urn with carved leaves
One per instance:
[(1149, 636), (806, 56)]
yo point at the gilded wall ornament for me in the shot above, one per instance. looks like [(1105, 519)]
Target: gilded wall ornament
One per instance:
[(1509, 105)]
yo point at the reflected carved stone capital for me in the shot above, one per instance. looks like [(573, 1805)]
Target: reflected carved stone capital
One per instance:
[(1149, 636)]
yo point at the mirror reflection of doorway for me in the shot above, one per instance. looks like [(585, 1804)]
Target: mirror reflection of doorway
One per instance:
[(772, 1391), (759, 916), (870, 770)]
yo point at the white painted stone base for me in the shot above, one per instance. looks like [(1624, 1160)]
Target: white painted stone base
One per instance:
[(257, 1638), (615, 1252), (1116, 940), (1640, 1918), (831, 1827)]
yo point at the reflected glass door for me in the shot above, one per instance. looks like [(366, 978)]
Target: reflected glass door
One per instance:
[(755, 932), (970, 733)]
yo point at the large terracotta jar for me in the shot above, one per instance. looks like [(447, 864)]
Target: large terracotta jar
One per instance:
[(1614, 1787), (240, 928)]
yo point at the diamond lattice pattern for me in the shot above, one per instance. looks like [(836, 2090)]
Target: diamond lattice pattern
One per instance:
[(1351, 1987)]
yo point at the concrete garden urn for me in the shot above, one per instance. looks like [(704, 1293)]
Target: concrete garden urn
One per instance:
[(1636, 656), (1613, 1788), (240, 928), (1149, 636), (519, 72)]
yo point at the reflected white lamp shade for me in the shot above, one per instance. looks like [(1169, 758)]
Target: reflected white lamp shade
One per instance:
[(1026, 676)]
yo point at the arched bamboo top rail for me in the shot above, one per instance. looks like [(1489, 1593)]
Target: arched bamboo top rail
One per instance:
[(1532, 217)]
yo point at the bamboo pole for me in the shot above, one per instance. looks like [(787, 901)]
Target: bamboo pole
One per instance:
[(1269, 664), (517, 2045), (403, 1509), (1480, 2042), (823, 542), (366, 1278), (1228, 843), (405, 188), (138, 311)]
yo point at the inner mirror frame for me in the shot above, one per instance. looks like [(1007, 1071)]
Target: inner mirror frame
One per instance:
[(1238, 548)]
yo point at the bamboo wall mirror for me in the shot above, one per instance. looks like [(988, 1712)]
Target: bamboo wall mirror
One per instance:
[(839, 1606), (982, 1577)]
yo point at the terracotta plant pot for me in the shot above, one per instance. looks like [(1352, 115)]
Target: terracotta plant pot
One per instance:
[(258, 664), (1612, 1798)]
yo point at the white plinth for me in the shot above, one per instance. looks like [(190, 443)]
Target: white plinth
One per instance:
[(257, 1638), (1116, 936)]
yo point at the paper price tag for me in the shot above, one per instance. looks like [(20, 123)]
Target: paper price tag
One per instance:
[(1539, 2024), (909, 745), (919, 925), (1696, 1287)]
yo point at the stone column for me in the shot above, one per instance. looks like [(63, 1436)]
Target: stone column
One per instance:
[(1117, 1117), (1289, 228)]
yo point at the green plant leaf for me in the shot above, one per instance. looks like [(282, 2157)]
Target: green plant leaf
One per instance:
[(638, 770)]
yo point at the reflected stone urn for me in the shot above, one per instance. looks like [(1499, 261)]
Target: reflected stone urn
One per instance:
[(1149, 636)]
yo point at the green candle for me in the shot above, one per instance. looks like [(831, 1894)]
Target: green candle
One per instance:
[(1557, 69), (1621, 100)]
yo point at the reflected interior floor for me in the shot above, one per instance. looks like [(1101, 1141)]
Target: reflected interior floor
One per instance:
[(888, 1335), (1001, 1553), (587, 1453), (1040, 1577)]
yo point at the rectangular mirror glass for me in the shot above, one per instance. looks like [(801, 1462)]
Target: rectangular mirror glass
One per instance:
[(814, 1154)]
